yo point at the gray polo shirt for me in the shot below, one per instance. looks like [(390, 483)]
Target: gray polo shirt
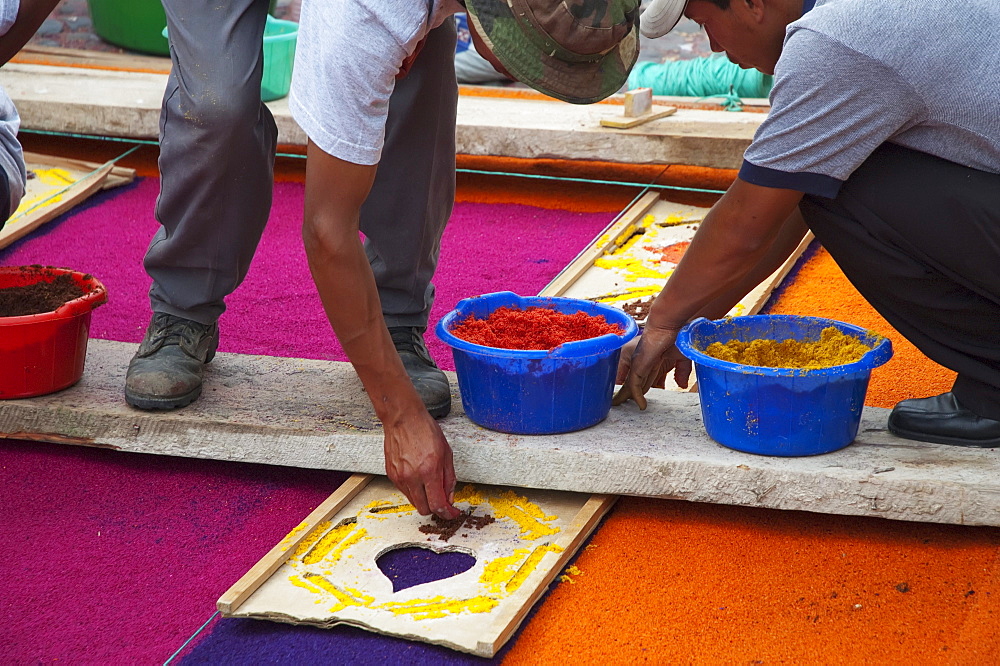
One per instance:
[(854, 74), (11, 157)]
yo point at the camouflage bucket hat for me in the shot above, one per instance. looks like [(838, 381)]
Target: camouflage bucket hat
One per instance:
[(579, 51)]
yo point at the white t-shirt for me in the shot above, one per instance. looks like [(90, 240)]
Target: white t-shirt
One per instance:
[(11, 157), (346, 60)]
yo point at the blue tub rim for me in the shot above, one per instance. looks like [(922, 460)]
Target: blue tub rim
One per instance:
[(879, 354), (600, 345)]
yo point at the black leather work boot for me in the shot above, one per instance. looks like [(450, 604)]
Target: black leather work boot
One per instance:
[(431, 383), (942, 420), (167, 370)]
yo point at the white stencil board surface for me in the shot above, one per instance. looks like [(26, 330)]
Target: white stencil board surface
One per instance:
[(521, 539), (643, 255)]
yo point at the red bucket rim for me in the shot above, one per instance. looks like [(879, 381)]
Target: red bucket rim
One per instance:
[(95, 294)]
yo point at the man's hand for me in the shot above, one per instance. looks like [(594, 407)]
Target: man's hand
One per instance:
[(418, 461), (654, 357)]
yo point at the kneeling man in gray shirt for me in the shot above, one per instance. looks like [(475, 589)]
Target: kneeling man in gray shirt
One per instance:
[(884, 139)]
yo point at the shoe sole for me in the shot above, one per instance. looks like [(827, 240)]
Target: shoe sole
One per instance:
[(940, 439), (150, 403)]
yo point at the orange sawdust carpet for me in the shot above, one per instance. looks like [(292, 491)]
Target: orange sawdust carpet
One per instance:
[(677, 582)]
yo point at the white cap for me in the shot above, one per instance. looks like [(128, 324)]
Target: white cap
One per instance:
[(660, 17)]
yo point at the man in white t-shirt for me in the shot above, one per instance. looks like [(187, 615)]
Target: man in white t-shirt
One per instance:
[(352, 56)]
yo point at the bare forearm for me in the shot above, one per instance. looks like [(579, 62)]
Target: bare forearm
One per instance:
[(350, 299), (30, 15), (788, 239)]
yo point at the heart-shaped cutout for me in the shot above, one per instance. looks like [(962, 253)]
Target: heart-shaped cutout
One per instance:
[(408, 565)]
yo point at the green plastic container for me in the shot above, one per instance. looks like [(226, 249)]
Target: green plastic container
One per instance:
[(279, 55), (131, 24)]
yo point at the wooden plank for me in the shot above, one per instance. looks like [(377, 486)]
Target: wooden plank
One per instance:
[(87, 180), (584, 523), (315, 414), (127, 104), (260, 572), (627, 123), (127, 62), (608, 239)]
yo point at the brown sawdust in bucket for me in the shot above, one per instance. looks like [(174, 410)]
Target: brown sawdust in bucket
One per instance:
[(39, 297)]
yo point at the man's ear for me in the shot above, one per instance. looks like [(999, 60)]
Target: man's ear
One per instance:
[(756, 8)]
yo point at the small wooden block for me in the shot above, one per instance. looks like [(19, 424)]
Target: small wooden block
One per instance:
[(638, 102), (625, 123)]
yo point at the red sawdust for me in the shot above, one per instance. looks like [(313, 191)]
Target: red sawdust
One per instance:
[(671, 253), (533, 328)]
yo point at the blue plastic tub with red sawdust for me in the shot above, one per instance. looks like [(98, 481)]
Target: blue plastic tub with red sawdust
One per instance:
[(536, 392)]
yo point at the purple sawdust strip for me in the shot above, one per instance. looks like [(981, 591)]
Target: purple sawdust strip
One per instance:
[(410, 566)]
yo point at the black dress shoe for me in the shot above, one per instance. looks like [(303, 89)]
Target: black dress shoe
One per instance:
[(942, 420)]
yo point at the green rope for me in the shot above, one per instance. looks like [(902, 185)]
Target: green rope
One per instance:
[(706, 77), (588, 181), (191, 638)]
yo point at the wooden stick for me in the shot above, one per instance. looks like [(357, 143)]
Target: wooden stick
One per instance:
[(260, 572), (608, 239), (583, 524), (638, 102), (626, 122)]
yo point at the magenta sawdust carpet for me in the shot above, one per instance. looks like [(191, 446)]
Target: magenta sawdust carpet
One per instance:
[(119, 558), (276, 311)]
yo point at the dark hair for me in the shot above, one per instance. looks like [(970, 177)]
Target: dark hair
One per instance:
[(721, 4)]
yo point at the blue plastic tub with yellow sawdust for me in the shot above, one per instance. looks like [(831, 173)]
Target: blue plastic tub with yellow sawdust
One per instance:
[(780, 411)]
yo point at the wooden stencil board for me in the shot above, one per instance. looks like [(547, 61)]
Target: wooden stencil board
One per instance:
[(325, 573), (631, 262), (55, 185)]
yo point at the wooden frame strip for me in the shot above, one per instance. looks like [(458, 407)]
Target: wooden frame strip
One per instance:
[(608, 239), (21, 225), (585, 521), (260, 572)]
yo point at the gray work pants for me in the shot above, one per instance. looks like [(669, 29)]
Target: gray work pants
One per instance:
[(919, 237), (217, 145)]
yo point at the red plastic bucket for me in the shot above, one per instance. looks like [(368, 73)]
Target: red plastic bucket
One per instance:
[(44, 353)]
